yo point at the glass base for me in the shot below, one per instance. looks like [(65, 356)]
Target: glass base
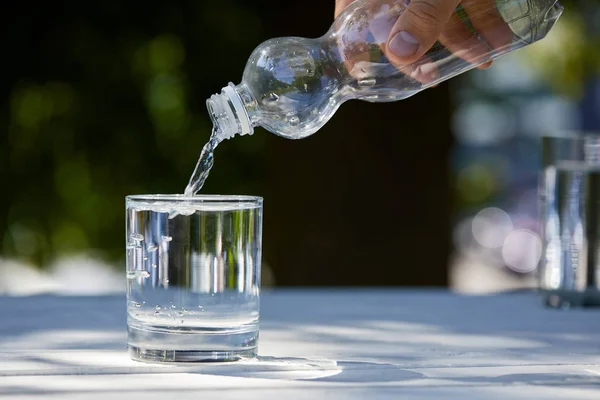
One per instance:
[(189, 356), (167, 344), (566, 299)]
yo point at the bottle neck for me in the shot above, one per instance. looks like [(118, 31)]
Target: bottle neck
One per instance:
[(232, 112)]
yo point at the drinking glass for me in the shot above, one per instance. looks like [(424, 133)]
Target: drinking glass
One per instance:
[(193, 277), (570, 208)]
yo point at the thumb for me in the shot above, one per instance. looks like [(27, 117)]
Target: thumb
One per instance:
[(418, 28)]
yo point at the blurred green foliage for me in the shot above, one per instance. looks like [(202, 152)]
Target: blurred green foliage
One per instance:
[(107, 99), (570, 55)]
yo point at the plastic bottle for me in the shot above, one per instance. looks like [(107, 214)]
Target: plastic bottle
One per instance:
[(293, 86)]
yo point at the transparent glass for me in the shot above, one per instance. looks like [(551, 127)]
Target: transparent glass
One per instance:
[(292, 86), (569, 274), (193, 277)]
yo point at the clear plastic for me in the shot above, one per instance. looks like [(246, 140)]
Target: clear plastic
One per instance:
[(293, 86)]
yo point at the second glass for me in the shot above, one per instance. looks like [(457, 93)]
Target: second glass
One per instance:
[(193, 277), (570, 207)]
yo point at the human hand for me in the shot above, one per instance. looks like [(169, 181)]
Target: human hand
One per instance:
[(424, 22)]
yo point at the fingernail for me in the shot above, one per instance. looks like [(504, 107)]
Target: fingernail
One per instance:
[(404, 44)]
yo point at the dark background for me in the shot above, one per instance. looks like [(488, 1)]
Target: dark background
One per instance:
[(105, 99)]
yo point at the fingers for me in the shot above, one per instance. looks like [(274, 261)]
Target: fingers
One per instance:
[(424, 71), (340, 5), (485, 65), (488, 22), (463, 43), (418, 28)]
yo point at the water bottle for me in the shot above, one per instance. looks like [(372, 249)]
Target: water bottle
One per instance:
[(292, 86)]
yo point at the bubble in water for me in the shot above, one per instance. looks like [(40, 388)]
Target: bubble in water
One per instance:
[(182, 321), (158, 307), (367, 82), (173, 306), (294, 120), (166, 281), (273, 97), (136, 304), (152, 249), (156, 312), (154, 265), (137, 237), (167, 238), (145, 258), (180, 313)]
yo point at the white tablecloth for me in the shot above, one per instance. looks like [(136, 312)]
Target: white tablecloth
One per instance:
[(333, 344)]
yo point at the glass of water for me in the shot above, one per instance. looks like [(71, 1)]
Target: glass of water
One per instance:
[(193, 277), (570, 209)]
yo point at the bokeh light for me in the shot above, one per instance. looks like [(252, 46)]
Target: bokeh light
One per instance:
[(522, 251), (491, 226)]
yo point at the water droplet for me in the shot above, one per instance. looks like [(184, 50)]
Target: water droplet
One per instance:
[(137, 237), (273, 97), (294, 121), (367, 82), (167, 238), (152, 249)]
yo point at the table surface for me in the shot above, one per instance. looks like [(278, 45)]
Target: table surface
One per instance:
[(334, 344)]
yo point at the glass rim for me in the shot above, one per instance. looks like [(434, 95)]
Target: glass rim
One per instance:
[(573, 135), (196, 200)]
